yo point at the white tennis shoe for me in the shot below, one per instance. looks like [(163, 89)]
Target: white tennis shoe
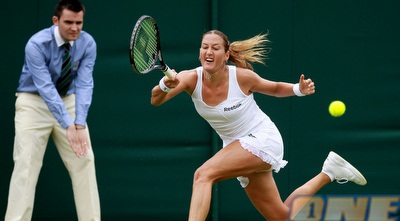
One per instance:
[(342, 171)]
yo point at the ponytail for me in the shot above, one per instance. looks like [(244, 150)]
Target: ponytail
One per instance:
[(252, 50)]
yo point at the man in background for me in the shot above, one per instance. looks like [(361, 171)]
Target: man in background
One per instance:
[(53, 98)]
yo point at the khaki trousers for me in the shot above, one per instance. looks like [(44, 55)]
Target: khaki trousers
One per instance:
[(34, 124)]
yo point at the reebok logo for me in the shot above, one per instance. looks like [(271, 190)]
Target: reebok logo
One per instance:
[(236, 106)]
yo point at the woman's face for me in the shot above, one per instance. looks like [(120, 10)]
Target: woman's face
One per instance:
[(212, 53)]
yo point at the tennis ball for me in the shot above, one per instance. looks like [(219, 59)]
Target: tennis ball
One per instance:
[(337, 108)]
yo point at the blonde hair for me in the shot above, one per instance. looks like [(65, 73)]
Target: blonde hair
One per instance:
[(245, 52)]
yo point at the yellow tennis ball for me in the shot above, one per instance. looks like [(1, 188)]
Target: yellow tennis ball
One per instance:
[(337, 108)]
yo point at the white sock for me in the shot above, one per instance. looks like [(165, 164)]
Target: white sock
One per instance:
[(331, 176)]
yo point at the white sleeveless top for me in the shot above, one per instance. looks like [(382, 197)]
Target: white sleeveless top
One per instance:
[(233, 118)]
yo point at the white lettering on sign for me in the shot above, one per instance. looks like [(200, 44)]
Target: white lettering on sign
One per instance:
[(347, 207)]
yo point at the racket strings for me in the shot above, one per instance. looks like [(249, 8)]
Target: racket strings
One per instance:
[(145, 46)]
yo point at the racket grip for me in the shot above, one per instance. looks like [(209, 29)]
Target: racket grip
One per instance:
[(168, 72)]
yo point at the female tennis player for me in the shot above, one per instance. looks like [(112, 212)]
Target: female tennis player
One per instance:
[(252, 145)]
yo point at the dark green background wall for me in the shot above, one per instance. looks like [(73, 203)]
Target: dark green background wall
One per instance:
[(146, 155)]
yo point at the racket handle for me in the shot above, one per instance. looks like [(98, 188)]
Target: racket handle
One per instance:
[(168, 72)]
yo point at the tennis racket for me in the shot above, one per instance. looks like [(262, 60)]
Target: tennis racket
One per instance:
[(145, 48)]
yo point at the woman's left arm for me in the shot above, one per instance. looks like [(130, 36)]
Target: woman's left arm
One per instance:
[(252, 82)]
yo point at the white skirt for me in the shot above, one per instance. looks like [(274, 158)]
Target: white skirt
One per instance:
[(266, 143)]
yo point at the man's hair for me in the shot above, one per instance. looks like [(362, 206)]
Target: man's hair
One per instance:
[(72, 5)]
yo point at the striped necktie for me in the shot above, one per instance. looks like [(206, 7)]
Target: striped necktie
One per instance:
[(65, 79)]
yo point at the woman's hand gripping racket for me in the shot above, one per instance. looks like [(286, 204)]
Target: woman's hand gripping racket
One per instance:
[(145, 48)]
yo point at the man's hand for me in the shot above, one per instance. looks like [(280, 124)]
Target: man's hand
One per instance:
[(78, 139)]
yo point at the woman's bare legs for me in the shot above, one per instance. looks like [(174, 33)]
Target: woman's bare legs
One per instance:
[(233, 161), (229, 162), (263, 193)]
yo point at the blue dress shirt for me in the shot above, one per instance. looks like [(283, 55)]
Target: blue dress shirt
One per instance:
[(42, 68)]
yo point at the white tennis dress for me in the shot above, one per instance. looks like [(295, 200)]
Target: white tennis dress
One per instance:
[(240, 118)]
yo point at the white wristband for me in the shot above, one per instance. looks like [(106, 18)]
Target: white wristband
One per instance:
[(296, 90), (163, 86)]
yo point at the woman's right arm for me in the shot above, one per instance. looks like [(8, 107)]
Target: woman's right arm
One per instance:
[(184, 81)]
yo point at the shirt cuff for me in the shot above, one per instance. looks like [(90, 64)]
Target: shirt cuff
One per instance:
[(67, 121), (81, 120)]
